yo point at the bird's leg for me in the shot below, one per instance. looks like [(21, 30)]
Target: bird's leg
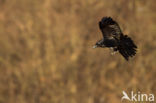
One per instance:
[(113, 50)]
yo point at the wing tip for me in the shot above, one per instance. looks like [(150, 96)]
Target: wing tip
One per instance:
[(107, 21)]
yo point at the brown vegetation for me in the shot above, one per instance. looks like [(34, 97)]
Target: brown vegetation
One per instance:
[(46, 53)]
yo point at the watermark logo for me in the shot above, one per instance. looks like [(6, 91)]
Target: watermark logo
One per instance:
[(138, 97)]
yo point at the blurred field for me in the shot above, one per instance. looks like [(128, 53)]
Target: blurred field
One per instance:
[(46, 53)]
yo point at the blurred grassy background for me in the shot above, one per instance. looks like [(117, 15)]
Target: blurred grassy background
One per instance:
[(46, 53)]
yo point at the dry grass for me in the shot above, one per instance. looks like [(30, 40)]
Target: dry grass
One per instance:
[(46, 53)]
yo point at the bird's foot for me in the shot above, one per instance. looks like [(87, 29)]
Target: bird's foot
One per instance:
[(113, 53)]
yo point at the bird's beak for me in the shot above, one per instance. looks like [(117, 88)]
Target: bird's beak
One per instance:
[(95, 46)]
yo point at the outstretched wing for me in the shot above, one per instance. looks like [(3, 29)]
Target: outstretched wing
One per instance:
[(110, 28)]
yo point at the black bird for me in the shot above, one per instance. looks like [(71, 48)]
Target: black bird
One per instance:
[(114, 38)]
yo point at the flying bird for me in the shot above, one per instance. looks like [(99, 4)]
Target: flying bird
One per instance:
[(114, 39)]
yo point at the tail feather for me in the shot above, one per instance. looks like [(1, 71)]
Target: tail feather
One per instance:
[(126, 47)]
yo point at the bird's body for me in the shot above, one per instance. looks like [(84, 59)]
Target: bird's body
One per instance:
[(114, 38)]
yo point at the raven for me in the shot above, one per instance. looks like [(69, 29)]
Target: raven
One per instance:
[(114, 38)]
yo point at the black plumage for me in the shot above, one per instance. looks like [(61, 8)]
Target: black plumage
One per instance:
[(115, 39)]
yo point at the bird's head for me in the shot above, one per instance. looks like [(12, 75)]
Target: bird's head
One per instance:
[(98, 44)]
